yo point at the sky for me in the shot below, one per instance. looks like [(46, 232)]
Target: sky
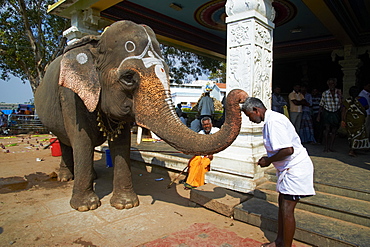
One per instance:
[(14, 91)]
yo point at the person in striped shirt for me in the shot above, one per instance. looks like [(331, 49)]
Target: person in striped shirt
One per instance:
[(330, 113)]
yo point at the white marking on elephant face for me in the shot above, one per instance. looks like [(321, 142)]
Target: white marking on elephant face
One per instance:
[(81, 58), (130, 46), (162, 76), (151, 53), (149, 57), (151, 60)]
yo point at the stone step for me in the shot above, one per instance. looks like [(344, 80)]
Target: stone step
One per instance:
[(329, 187), (218, 199), (311, 228), (339, 207), (343, 191), (177, 163)]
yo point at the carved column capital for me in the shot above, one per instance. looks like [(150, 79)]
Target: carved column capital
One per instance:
[(349, 52), (350, 65), (84, 22), (353, 63), (263, 7)]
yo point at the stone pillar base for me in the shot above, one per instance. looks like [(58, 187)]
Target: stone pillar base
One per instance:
[(233, 182)]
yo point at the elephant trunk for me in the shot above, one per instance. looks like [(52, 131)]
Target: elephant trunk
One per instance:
[(159, 116)]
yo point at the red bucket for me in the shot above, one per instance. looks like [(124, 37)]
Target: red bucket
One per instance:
[(55, 147)]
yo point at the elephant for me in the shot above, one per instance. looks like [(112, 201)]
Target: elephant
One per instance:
[(97, 88)]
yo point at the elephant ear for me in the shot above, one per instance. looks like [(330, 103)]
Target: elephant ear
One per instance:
[(78, 73)]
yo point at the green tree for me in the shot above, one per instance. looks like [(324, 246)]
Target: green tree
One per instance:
[(30, 39), (220, 74), (186, 66)]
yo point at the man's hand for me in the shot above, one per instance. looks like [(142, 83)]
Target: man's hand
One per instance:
[(264, 162), (280, 155)]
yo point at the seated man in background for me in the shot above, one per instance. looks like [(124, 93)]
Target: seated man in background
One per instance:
[(199, 165)]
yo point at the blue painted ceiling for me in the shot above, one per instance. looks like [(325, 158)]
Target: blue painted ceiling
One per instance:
[(302, 26)]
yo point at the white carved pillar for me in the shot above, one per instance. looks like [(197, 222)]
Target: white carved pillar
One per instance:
[(350, 65), (349, 68), (84, 22), (249, 67)]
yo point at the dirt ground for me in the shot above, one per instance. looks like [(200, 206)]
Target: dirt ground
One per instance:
[(35, 207)]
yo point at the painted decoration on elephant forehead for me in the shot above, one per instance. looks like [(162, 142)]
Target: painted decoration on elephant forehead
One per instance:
[(162, 76), (128, 48), (149, 58), (146, 51), (81, 58)]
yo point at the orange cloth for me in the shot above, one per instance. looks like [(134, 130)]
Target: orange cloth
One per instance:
[(198, 166)]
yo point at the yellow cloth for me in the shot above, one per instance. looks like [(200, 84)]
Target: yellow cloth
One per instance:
[(286, 112), (198, 166)]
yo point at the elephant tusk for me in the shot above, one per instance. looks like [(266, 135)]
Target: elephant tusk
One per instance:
[(139, 134)]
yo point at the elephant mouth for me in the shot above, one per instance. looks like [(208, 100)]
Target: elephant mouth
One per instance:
[(125, 111), (118, 110)]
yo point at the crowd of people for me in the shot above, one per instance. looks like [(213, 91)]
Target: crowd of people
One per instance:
[(317, 117), (8, 120)]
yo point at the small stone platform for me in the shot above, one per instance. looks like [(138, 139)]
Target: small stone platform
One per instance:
[(218, 199)]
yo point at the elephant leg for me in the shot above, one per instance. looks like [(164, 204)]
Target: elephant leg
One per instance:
[(66, 164), (124, 195), (83, 196)]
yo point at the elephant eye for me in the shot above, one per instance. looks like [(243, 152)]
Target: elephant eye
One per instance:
[(128, 76), (129, 79)]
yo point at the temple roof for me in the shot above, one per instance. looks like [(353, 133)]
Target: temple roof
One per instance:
[(301, 26)]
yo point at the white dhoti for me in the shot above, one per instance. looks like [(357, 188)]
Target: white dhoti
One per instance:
[(295, 172), (297, 180)]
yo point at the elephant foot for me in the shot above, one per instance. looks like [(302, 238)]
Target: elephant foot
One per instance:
[(65, 175), (85, 201), (124, 200)]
